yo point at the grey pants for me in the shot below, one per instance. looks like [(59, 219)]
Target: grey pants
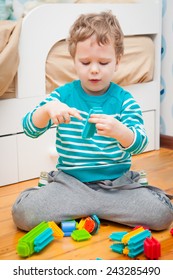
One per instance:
[(122, 200)]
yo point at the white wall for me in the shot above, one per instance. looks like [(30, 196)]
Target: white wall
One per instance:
[(166, 91)]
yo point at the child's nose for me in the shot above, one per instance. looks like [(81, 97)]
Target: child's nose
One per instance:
[(94, 68)]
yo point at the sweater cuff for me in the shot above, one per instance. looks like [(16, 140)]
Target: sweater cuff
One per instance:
[(135, 144), (32, 130)]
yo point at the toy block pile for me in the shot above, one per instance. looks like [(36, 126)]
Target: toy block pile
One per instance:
[(82, 230), (135, 242), (44, 233)]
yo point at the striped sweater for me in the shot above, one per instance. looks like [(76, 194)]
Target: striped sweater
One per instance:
[(97, 158)]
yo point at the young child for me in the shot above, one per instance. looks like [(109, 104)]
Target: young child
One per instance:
[(93, 174)]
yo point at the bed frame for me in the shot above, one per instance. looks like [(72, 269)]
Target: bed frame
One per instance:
[(23, 158)]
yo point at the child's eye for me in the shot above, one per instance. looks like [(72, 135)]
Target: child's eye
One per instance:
[(104, 63), (85, 63)]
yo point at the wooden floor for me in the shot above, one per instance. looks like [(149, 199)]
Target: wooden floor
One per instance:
[(159, 168)]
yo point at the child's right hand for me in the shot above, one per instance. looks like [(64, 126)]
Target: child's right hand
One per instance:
[(59, 112)]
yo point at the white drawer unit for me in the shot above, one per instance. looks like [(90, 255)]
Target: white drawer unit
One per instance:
[(23, 158), (8, 160)]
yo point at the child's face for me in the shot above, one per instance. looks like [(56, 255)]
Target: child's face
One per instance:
[(95, 65)]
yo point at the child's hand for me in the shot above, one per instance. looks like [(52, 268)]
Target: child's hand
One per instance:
[(106, 125), (60, 112), (110, 127)]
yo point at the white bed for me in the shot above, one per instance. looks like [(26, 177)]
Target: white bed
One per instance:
[(23, 158)]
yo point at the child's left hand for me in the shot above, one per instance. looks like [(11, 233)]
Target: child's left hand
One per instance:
[(106, 125)]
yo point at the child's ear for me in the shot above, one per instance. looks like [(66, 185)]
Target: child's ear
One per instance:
[(117, 63), (116, 67)]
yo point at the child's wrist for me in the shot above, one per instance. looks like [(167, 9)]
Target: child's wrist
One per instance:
[(125, 136)]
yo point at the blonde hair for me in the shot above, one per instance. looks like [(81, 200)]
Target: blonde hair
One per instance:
[(104, 26)]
